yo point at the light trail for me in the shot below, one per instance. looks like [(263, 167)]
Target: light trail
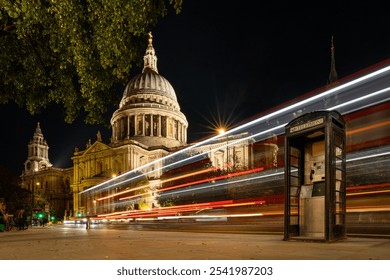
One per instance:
[(357, 158), (210, 217), (368, 127), (123, 192), (163, 181), (355, 100), (254, 178), (366, 187), (268, 117), (361, 209), (368, 192), (175, 210), (225, 183), (231, 175)]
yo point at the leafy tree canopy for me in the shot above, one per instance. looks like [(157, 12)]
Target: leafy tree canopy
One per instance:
[(72, 53)]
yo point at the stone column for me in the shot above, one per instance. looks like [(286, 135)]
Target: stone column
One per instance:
[(143, 125), (159, 126), (180, 128), (135, 125), (128, 127), (151, 125)]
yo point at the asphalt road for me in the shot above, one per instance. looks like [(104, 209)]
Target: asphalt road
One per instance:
[(60, 242)]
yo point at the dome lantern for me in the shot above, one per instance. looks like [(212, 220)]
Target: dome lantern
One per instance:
[(150, 58)]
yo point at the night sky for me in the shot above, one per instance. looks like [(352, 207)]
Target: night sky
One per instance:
[(228, 61)]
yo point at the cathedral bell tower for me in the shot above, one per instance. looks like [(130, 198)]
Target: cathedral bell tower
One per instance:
[(38, 153)]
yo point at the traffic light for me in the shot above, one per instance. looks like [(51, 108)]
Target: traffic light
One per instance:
[(52, 218), (40, 215), (79, 215)]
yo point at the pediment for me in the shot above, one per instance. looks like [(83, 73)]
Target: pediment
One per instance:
[(97, 147)]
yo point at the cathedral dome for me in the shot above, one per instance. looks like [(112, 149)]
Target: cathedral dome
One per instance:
[(149, 82), (149, 112), (149, 87)]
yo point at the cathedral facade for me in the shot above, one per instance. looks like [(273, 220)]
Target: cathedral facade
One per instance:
[(147, 126)]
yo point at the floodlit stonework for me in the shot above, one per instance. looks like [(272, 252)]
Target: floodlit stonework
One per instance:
[(50, 185), (147, 126)]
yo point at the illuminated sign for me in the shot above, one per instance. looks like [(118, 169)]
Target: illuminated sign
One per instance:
[(306, 125)]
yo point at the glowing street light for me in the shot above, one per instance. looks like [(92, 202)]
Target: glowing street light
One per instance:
[(221, 130)]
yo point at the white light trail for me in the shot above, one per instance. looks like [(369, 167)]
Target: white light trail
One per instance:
[(262, 176), (367, 157), (379, 92), (268, 117)]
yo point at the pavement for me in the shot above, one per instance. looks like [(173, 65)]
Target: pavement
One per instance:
[(60, 242)]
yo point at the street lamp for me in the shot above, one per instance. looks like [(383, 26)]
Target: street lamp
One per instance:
[(221, 130)]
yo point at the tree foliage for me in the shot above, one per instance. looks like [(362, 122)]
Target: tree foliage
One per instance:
[(72, 53)]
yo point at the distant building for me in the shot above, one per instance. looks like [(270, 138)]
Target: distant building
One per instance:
[(50, 185)]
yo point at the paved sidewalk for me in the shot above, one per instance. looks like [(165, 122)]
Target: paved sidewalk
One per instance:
[(58, 242)]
